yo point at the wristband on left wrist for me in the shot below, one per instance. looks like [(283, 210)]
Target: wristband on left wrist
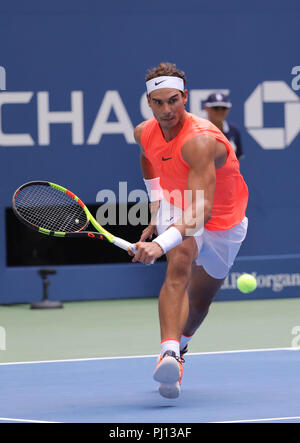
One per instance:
[(169, 239)]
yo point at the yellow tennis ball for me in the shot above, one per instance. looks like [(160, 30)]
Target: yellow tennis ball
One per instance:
[(246, 283)]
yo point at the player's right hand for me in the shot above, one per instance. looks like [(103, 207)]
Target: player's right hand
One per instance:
[(147, 252)]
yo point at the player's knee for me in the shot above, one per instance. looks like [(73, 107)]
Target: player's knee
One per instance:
[(179, 268)]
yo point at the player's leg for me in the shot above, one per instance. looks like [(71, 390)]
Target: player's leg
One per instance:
[(173, 302), (173, 312), (202, 290), (217, 252)]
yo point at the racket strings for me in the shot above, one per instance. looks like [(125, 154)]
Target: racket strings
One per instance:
[(50, 208)]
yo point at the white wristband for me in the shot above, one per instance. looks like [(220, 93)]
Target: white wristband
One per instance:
[(154, 190), (169, 239)]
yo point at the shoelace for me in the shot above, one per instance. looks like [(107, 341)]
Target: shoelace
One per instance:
[(180, 359), (182, 352)]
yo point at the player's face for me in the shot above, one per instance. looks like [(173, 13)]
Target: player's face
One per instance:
[(168, 106)]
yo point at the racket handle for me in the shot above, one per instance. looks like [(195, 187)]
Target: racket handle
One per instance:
[(123, 244), (133, 248)]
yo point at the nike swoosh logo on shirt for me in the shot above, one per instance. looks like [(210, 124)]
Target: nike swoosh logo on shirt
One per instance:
[(164, 159)]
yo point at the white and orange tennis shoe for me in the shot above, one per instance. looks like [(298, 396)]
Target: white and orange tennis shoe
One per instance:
[(168, 372)]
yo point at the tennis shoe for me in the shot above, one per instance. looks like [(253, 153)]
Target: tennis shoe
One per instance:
[(168, 372), (182, 352)]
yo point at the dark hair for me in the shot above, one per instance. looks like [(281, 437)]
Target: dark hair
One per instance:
[(165, 68)]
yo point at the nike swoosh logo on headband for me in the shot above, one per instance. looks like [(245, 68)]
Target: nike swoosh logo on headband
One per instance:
[(158, 83)]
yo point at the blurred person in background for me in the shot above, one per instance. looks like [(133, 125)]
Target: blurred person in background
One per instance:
[(217, 107)]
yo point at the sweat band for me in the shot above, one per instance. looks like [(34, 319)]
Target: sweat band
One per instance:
[(165, 82), (154, 190), (169, 239)]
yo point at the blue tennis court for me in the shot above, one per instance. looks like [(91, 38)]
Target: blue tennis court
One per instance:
[(235, 386)]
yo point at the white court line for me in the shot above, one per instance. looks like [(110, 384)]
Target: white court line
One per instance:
[(257, 420), (147, 356), (21, 420)]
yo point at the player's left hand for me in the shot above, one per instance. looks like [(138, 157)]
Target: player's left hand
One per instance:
[(147, 252)]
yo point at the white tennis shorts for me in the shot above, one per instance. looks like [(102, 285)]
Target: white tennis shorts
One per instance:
[(217, 250)]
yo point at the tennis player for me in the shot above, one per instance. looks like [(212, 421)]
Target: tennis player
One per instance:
[(198, 201)]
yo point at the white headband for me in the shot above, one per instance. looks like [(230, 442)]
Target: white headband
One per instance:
[(165, 82)]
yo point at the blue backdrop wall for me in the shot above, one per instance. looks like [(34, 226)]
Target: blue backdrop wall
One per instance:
[(72, 90)]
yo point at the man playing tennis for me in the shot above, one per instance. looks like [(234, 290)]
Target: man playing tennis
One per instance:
[(198, 203)]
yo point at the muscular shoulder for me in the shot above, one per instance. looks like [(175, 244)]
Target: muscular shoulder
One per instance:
[(200, 147), (205, 148)]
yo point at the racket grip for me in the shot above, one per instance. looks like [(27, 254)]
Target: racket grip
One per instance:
[(133, 248), (123, 244)]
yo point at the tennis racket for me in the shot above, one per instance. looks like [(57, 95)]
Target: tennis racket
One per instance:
[(55, 211)]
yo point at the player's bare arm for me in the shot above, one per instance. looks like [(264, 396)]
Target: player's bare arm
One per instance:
[(147, 169), (200, 154), (148, 173)]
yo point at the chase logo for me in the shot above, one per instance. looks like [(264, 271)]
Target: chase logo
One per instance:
[(296, 79), (273, 92), (2, 79)]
